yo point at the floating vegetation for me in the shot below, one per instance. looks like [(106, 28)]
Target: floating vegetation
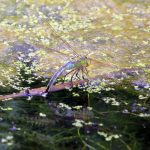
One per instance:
[(110, 110)]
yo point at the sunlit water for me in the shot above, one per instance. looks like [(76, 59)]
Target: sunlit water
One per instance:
[(112, 32)]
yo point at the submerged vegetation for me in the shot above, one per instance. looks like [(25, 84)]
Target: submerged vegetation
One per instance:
[(111, 112), (102, 116)]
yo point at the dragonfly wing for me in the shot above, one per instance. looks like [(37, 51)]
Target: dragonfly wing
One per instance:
[(104, 64), (55, 33), (49, 49)]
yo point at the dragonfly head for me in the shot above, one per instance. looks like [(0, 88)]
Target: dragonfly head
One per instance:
[(85, 61)]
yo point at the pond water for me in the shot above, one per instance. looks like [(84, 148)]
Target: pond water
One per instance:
[(107, 113)]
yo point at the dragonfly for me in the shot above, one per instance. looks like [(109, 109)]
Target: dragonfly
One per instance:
[(79, 63)]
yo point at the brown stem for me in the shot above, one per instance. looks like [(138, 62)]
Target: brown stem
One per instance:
[(39, 91)]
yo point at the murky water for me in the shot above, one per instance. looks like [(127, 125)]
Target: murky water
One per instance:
[(107, 114), (108, 31)]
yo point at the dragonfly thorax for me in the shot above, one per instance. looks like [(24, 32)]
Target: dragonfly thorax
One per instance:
[(83, 61)]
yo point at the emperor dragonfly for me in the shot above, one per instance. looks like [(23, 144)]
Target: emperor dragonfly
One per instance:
[(75, 66)]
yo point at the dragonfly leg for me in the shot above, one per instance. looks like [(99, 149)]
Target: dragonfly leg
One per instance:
[(84, 71), (71, 81), (77, 75), (67, 74), (87, 72)]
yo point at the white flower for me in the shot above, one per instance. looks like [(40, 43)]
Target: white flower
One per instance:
[(109, 138), (62, 105), (42, 115), (136, 87), (3, 140), (102, 133), (89, 108), (144, 115), (75, 94), (78, 123), (100, 124), (77, 107), (116, 136), (142, 97), (7, 108), (9, 137), (29, 98), (10, 143)]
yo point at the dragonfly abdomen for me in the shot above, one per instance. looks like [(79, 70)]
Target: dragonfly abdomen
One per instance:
[(67, 66)]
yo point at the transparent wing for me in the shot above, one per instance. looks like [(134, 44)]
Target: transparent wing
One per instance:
[(96, 64), (55, 33), (74, 50)]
